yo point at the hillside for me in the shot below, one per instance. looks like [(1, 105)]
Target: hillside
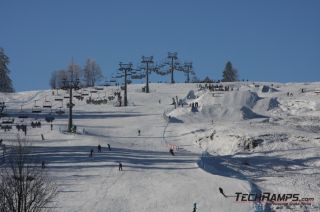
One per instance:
[(255, 137)]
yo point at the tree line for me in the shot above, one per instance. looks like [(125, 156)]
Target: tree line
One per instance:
[(88, 76)]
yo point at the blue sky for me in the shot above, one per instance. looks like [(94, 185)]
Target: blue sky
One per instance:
[(270, 40)]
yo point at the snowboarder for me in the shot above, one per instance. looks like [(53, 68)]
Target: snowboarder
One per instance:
[(109, 147), (120, 166), (91, 153), (99, 148), (139, 132)]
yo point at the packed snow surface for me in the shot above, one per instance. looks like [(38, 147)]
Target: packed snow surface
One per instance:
[(255, 137)]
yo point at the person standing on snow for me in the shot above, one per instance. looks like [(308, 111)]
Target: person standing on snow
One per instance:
[(120, 166), (109, 147)]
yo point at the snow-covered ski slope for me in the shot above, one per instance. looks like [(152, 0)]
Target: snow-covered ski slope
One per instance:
[(255, 138)]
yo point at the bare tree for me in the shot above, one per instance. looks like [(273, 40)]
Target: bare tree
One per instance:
[(24, 185), (5, 81), (61, 75), (74, 72), (91, 73)]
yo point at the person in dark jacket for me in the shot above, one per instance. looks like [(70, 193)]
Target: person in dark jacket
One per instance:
[(120, 166)]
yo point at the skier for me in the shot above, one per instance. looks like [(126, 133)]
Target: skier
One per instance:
[(120, 166), (109, 147), (194, 207), (91, 153), (171, 151), (139, 132), (43, 164), (99, 148)]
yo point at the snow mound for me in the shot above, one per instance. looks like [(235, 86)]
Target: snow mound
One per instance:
[(247, 113), (191, 95), (268, 89), (228, 106), (273, 103)]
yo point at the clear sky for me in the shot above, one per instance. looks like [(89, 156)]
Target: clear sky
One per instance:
[(266, 40)]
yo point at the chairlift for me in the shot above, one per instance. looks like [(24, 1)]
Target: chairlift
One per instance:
[(58, 99), (93, 91), (84, 93), (60, 112), (47, 104), (77, 95), (136, 77), (8, 121), (22, 114), (66, 97), (36, 108)]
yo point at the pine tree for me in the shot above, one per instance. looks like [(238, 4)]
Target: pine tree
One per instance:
[(229, 73), (5, 81)]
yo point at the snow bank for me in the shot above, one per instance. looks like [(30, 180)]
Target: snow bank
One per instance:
[(232, 106)]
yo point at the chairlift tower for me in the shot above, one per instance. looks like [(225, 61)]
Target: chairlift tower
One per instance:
[(69, 84), (125, 69), (148, 61), (187, 69), (172, 56)]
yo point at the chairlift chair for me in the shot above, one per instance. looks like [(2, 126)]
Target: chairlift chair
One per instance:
[(36, 108), (47, 104), (77, 95), (58, 99), (8, 121), (22, 114), (84, 93), (60, 111)]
